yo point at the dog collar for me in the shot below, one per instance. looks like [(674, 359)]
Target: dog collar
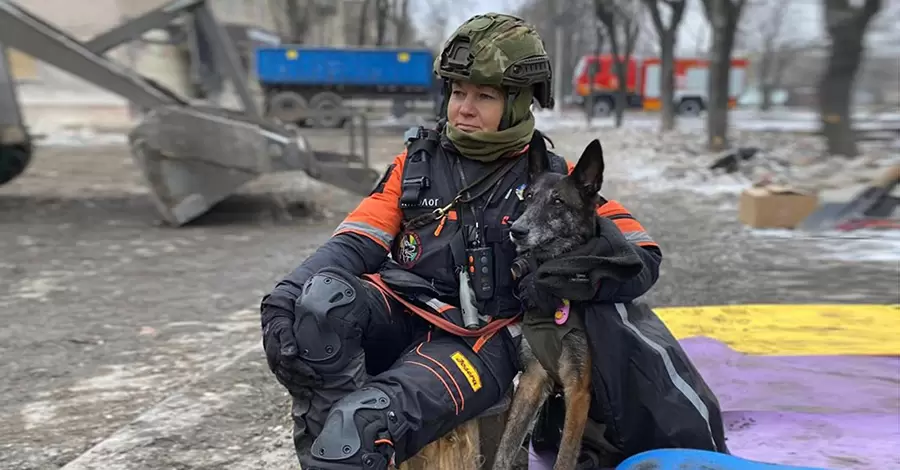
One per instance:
[(562, 312)]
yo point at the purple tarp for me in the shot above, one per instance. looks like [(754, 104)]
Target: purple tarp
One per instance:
[(836, 412), (826, 411)]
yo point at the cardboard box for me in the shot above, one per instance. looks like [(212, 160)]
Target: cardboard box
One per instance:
[(776, 206)]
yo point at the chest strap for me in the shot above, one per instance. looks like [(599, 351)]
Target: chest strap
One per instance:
[(487, 182), (421, 147)]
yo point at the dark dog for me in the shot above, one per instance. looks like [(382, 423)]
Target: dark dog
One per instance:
[(559, 216)]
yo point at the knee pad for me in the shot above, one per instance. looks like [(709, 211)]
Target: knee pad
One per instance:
[(356, 425), (329, 316)]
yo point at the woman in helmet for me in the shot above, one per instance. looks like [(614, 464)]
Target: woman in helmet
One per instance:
[(377, 352)]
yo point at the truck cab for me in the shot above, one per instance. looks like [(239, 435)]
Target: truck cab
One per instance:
[(605, 83)]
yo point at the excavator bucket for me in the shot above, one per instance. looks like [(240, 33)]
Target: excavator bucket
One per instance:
[(192, 160), (15, 143), (192, 156)]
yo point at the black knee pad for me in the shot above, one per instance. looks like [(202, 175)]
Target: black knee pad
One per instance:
[(356, 425), (329, 316)]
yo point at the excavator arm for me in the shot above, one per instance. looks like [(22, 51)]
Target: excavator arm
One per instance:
[(15, 143), (192, 155)]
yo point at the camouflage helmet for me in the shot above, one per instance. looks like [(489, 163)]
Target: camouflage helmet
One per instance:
[(500, 50)]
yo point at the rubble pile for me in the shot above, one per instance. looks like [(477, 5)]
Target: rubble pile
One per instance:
[(756, 158)]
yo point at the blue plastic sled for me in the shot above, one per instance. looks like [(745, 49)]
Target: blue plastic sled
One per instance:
[(673, 459), (689, 459)]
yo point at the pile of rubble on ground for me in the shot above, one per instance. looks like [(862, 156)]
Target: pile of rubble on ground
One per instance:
[(761, 158), (785, 180)]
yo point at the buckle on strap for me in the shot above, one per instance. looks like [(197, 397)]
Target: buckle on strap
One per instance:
[(412, 188)]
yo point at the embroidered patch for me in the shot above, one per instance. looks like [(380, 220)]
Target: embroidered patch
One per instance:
[(520, 192), (410, 249), (467, 369)]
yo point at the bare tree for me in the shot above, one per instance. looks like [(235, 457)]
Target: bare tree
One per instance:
[(382, 18), (879, 73), (402, 25), (766, 31), (440, 20), (578, 17), (363, 22), (667, 37), (846, 27), (723, 17), (622, 23), (292, 24), (884, 31), (772, 59)]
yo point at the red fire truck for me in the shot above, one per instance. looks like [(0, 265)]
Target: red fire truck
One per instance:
[(644, 84)]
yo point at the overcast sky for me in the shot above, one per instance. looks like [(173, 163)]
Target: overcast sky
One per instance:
[(804, 23)]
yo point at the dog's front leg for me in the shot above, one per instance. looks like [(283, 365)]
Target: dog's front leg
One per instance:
[(534, 388), (575, 372)]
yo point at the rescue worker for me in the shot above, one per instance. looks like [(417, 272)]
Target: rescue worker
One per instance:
[(377, 354)]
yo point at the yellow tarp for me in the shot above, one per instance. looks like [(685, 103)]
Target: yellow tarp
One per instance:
[(807, 329)]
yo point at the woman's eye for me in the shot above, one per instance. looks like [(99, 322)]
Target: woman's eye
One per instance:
[(486, 96)]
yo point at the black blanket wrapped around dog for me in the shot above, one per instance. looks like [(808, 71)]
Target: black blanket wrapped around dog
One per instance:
[(646, 392)]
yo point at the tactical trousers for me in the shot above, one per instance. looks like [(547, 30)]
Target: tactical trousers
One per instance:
[(397, 383)]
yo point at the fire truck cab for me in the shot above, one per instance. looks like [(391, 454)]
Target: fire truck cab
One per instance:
[(643, 83)]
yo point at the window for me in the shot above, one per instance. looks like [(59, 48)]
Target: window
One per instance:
[(579, 69)]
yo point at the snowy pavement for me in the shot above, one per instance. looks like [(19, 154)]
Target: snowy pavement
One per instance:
[(132, 345), (784, 120)]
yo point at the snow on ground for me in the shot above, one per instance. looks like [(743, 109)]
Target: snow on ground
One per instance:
[(30, 95), (857, 245), (678, 159), (83, 137), (741, 119), (656, 182), (678, 162)]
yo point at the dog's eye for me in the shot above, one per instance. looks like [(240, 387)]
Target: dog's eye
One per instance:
[(557, 201)]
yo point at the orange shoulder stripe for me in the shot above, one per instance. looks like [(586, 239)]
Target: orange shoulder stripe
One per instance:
[(630, 227), (378, 216)]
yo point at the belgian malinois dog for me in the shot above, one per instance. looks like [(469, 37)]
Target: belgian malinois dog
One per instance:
[(559, 216)]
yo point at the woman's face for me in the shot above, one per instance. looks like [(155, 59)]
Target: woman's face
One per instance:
[(474, 107)]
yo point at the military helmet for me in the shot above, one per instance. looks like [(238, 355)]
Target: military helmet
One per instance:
[(500, 50)]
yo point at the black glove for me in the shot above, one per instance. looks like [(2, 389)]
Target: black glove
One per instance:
[(536, 297), (281, 351)]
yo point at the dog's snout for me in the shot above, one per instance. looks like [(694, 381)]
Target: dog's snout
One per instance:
[(517, 232)]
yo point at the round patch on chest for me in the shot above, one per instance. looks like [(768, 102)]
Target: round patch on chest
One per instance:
[(410, 249)]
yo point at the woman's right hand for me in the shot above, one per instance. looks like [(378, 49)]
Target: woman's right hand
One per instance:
[(281, 351)]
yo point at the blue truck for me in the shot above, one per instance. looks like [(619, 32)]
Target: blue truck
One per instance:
[(302, 84)]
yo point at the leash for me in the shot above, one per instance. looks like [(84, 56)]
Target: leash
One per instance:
[(493, 177), (438, 321)]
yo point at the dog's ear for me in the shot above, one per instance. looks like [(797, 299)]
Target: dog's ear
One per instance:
[(588, 172), (537, 156)]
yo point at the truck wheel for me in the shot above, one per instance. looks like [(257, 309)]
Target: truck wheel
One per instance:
[(327, 101), (603, 107), (288, 106), (690, 107), (13, 161)]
